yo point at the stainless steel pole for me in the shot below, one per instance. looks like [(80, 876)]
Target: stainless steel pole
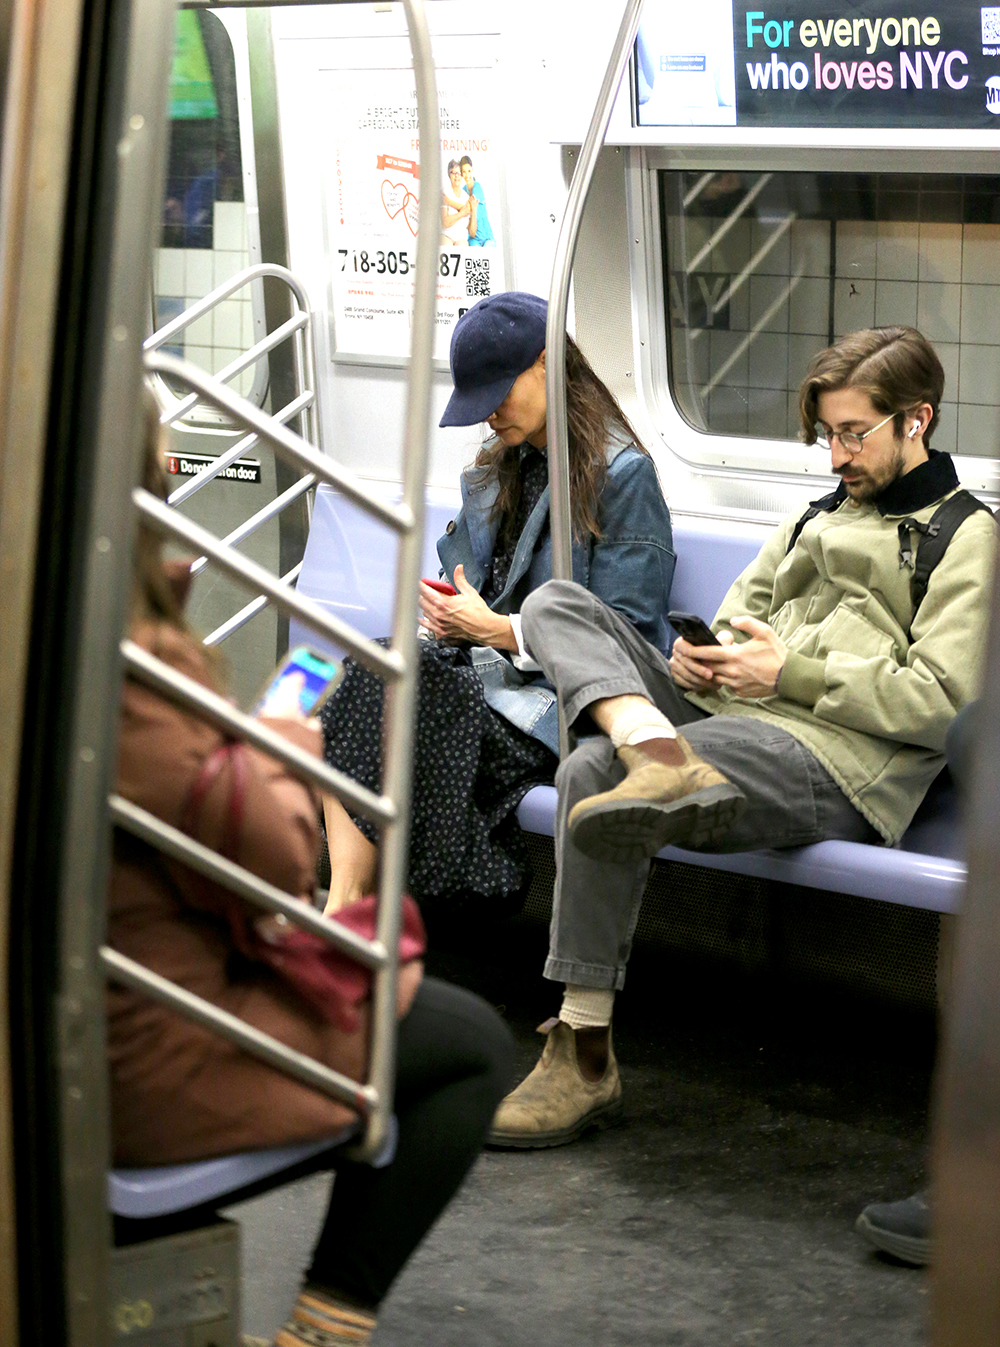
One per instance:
[(401, 696), (560, 517), (122, 969)]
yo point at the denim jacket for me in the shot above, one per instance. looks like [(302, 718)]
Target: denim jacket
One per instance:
[(630, 568)]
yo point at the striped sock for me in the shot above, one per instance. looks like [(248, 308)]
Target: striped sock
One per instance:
[(318, 1319)]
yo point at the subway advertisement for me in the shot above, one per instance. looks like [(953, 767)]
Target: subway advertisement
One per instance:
[(806, 63)]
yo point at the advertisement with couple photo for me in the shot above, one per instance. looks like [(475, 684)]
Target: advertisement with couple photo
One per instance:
[(374, 203)]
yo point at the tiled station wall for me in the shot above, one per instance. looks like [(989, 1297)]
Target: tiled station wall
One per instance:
[(185, 275), (939, 277)]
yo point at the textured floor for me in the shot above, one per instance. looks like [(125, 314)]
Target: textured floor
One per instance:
[(760, 1117)]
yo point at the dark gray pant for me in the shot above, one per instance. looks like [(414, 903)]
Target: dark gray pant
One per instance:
[(589, 652)]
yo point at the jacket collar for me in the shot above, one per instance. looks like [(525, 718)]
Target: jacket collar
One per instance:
[(920, 487), (915, 490)]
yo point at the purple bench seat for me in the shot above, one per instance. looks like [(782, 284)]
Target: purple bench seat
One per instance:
[(349, 569), (162, 1190)]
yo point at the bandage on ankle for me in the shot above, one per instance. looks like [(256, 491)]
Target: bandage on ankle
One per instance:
[(586, 1007), (637, 724)]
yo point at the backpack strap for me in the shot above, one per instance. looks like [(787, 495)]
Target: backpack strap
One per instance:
[(935, 536), (822, 506)]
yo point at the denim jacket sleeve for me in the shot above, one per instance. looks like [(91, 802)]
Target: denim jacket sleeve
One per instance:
[(632, 564)]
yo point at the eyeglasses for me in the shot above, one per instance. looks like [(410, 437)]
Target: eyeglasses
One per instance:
[(849, 441)]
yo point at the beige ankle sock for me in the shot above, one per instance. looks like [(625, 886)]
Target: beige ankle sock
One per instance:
[(586, 1007), (318, 1319), (640, 723)]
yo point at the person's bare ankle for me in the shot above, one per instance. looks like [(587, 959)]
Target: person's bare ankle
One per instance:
[(341, 894), (592, 1047)]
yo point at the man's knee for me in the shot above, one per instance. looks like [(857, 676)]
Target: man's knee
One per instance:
[(555, 597)]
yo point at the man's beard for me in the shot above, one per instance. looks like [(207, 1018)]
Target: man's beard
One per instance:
[(872, 484)]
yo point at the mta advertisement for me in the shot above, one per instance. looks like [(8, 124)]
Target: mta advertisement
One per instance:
[(806, 64)]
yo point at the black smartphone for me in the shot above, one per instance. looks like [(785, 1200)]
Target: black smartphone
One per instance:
[(694, 629), (300, 684)]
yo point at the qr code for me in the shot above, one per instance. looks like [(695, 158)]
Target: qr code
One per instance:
[(477, 277), (991, 25)]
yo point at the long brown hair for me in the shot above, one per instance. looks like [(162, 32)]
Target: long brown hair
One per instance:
[(154, 598), (592, 412), (159, 587)]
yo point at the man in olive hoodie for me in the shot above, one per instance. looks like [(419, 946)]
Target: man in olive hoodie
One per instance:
[(821, 714)]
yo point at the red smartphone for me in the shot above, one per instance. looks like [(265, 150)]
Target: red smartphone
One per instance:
[(442, 586)]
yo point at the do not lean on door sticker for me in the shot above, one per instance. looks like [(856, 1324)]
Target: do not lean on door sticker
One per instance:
[(374, 203)]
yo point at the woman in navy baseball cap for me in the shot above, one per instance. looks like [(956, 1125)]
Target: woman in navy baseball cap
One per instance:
[(487, 727)]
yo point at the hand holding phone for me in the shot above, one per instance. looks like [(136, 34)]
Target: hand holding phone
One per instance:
[(442, 587), (299, 686), (693, 629)]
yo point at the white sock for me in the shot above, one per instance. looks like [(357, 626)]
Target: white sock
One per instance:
[(636, 724), (586, 1007)]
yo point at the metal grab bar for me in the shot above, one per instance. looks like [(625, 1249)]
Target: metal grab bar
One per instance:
[(120, 968), (291, 447), (386, 663), (241, 447), (237, 366), (560, 516), (176, 325), (249, 611), (172, 842), (300, 333), (171, 683), (259, 519)]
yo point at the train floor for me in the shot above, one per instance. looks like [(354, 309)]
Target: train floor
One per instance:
[(761, 1114)]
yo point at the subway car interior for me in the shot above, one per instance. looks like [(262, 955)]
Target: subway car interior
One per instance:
[(259, 226)]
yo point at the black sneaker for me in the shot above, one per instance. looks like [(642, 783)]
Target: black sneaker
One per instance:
[(900, 1228)]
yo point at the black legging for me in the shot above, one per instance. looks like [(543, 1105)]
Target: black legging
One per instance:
[(455, 1062)]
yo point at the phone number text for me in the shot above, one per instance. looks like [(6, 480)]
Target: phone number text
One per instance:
[(392, 263)]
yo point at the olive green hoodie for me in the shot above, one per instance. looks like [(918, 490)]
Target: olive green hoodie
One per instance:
[(870, 697)]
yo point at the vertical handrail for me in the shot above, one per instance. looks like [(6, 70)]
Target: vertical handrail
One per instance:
[(965, 1290), (560, 517), (400, 699)]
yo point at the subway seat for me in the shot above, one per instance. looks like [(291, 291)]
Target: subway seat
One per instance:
[(162, 1190), (349, 570)]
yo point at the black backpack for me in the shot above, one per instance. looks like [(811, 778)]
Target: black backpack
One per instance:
[(935, 536)]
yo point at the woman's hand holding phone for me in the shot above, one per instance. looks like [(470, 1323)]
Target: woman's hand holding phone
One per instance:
[(296, 689), (464, 616)]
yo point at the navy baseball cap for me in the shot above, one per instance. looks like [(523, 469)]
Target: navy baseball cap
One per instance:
[(498, 339)]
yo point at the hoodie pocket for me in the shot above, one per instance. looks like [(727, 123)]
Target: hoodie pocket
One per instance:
[(851, 633)]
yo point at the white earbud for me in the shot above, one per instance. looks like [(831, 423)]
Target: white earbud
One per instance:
[(915, 431)]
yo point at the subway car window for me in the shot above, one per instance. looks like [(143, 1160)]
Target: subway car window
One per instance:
[(763, 269), (203, 232)]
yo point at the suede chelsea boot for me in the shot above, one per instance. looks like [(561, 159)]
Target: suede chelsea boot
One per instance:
[(657, 803), (555, 1104)]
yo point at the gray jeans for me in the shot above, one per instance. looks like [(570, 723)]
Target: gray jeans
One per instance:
[(589, 651)]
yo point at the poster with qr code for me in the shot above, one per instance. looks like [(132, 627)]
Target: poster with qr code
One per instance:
[(374, 202)]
